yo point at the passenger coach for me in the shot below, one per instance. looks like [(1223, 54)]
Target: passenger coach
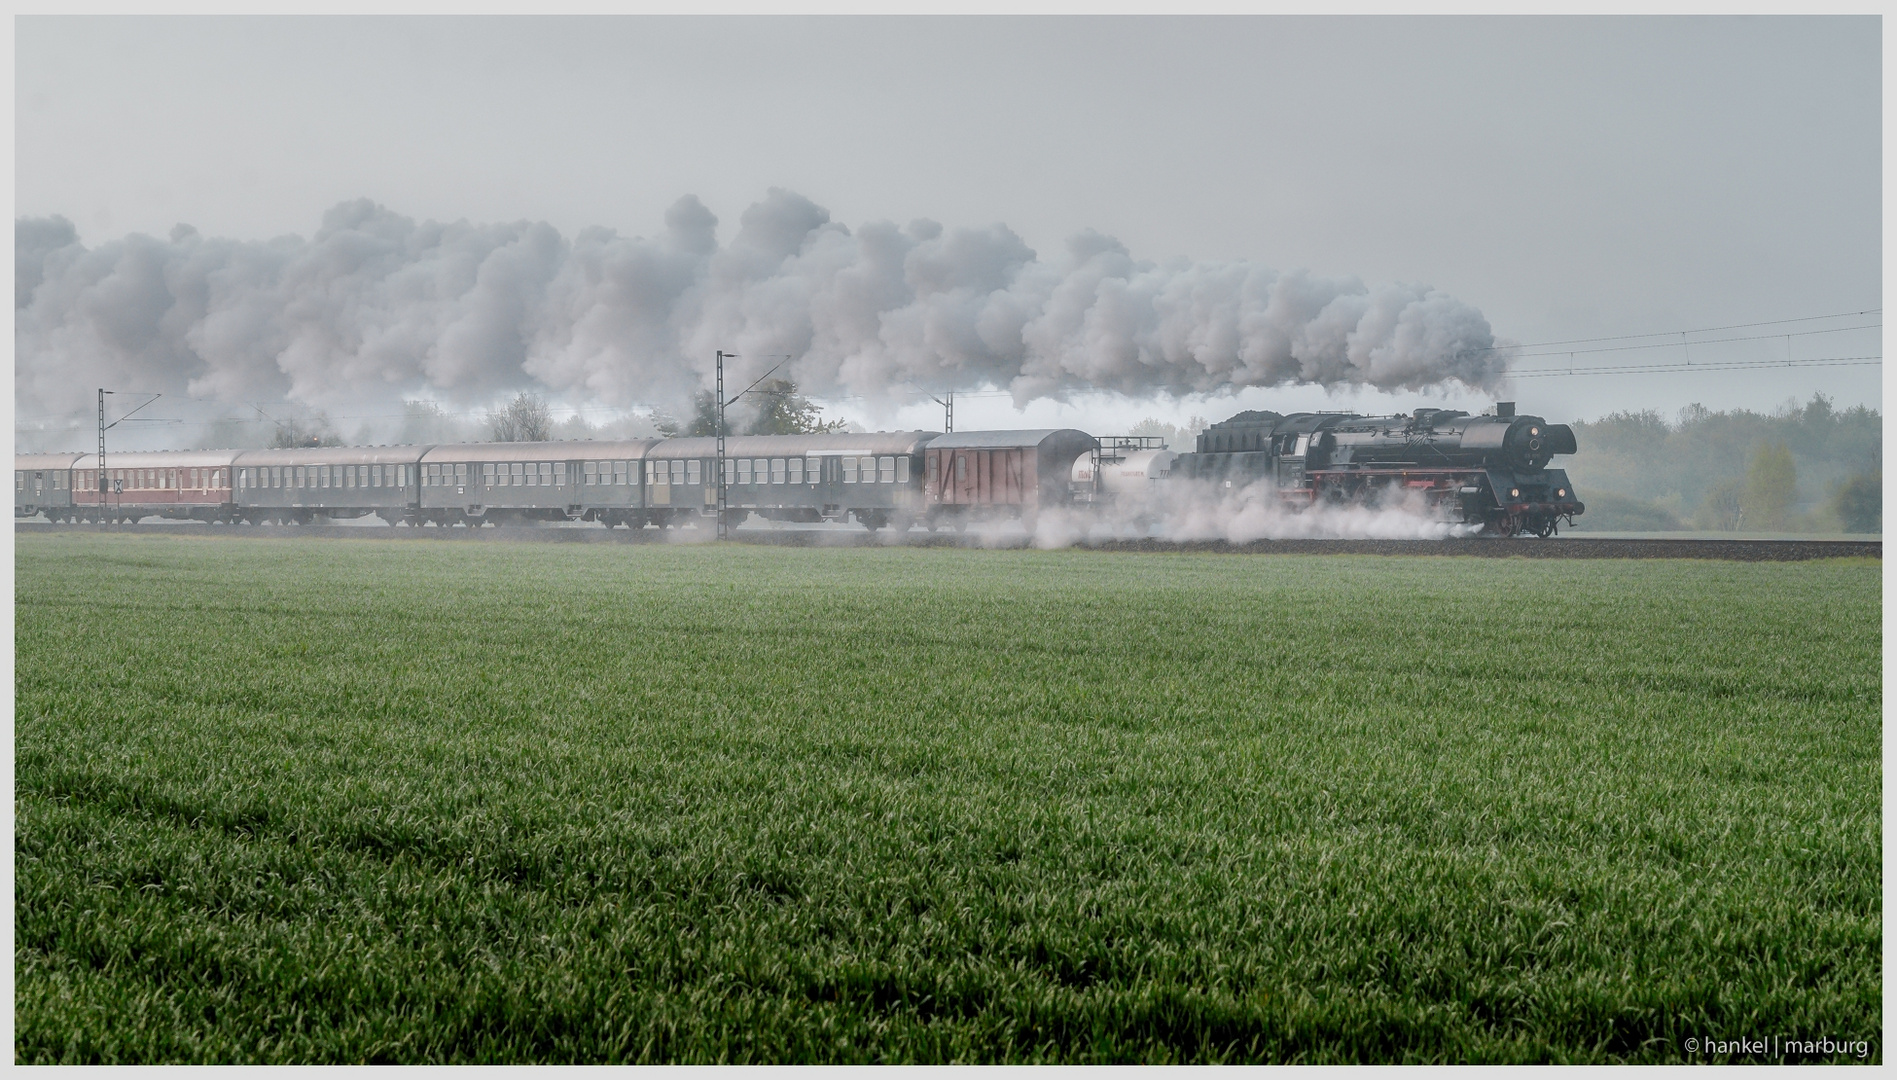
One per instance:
[(477, 483), (42, 484), (296, 485), (183, 485)]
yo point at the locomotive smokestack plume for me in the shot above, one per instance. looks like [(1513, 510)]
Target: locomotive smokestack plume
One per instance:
[(375, 307)]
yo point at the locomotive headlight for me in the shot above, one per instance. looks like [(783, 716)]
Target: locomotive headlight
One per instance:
[(1514, 493), (1560, 493), (1534, 431)]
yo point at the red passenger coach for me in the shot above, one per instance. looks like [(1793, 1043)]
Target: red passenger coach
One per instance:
[(978, 475), (185, 485)]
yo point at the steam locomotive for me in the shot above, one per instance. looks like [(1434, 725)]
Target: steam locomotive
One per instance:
[(1489, 471)]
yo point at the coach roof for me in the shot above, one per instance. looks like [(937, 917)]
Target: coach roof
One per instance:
[(996, 440), (565, 450), (160, 459), (331, 455), (27, 462), (833, 442)]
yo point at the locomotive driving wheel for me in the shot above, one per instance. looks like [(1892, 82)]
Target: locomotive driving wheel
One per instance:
[(1506, 525)]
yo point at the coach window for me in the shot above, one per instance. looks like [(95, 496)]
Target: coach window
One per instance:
[(694, 471), (902, 469), (961, 468), (589, 472), (777, 470), (794, 470), (678, 472), (559, 473), (744, 470), (886, 470), (849, 470)]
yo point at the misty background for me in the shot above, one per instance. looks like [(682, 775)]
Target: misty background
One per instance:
[(387, 228)]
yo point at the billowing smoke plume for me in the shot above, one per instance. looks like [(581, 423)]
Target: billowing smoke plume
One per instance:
[(376, 308)]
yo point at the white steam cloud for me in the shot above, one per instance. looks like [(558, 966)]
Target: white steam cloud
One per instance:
[(1182, 510), (376, 308)]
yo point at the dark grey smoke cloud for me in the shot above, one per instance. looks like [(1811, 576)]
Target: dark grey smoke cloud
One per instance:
[(375, 308)]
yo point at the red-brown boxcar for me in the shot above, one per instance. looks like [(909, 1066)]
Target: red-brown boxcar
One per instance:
[(977, 475)]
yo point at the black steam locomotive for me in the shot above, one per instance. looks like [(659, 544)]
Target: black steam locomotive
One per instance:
[(1489, 470)]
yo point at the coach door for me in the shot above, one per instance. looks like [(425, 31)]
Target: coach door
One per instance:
[(659, 482)]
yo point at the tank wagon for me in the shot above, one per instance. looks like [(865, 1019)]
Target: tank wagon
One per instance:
[(1124, 467), (1489, 470)]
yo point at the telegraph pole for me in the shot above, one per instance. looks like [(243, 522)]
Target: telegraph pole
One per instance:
[(722, 402), (101, 459), (104, 484), (948, 411), (722, 494)]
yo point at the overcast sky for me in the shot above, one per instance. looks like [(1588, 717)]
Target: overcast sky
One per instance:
[(1566, 177)]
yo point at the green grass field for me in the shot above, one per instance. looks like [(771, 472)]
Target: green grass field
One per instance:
[(394, 801)]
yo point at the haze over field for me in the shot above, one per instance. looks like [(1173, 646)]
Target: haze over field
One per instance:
[(1073, 221)]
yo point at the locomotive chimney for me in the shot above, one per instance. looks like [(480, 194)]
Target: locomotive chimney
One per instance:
[(1505, 408)]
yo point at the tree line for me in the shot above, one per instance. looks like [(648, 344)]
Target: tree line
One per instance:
[(1802, 468)]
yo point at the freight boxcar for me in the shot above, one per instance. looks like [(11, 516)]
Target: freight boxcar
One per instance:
[(977, 475)]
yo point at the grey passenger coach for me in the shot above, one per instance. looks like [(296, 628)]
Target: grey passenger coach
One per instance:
[(477, 483), (42, 484), (298, 485)]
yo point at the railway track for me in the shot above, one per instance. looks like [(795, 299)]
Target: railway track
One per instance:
[(1740, 550)]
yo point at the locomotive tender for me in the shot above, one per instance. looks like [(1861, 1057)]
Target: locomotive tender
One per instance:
[(1488, 470)]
